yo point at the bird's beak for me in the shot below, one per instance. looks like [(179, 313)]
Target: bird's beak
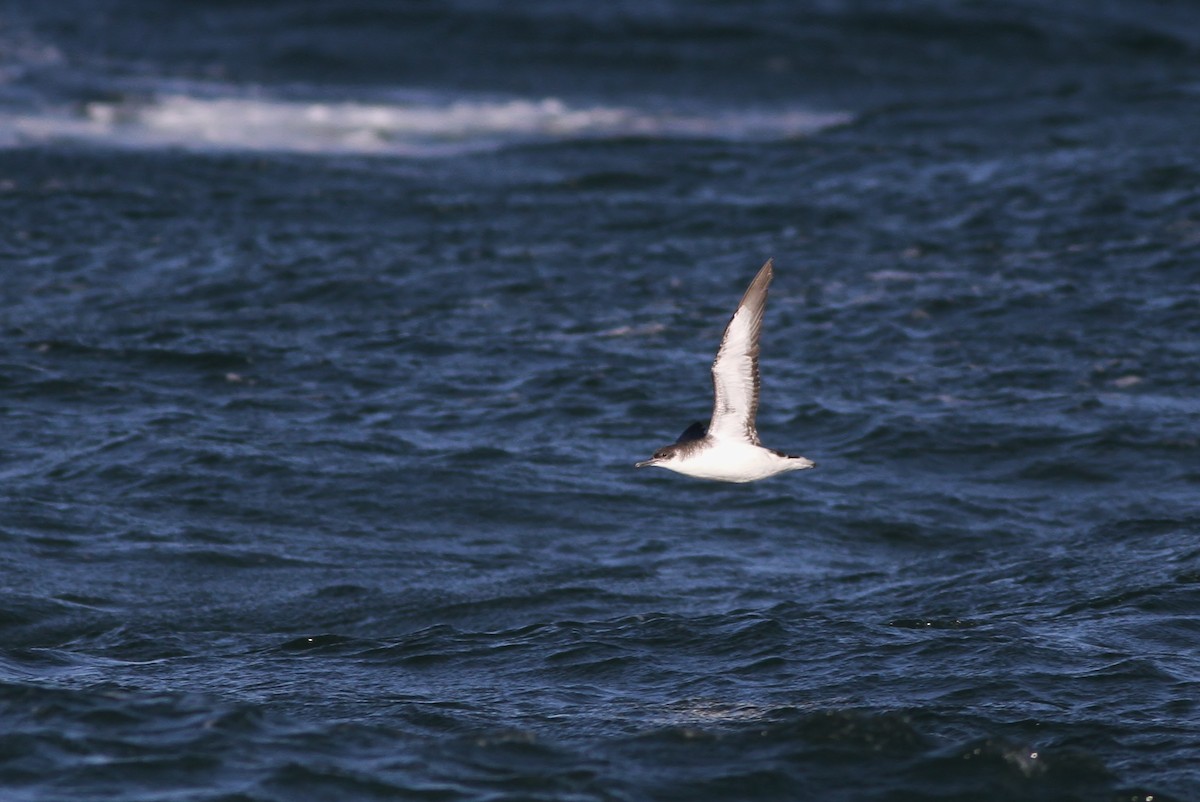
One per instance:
[(645, 463)]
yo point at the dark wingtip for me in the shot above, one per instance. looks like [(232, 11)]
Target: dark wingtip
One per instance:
[(756, 293)]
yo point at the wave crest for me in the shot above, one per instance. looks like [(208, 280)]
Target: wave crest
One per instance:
[(412, 128)]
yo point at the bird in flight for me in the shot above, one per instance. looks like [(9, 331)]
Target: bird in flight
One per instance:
[(728, 448)]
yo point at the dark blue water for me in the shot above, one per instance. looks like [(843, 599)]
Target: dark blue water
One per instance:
[(330, 333)]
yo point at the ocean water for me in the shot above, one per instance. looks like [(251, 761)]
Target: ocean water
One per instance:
[(330, 333)]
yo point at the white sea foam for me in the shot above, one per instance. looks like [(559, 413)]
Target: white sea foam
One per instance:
[(419, 127)]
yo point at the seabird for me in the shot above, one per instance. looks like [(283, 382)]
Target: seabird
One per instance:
[(728, 448)]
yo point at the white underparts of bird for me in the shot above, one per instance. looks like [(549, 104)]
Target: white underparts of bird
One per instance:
[(728, 448)]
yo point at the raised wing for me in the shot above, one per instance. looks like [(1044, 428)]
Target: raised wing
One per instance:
[(696, 431), (735, 370)]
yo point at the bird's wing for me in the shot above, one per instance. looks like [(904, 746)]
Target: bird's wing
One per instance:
[(696, 431), (735, 370)]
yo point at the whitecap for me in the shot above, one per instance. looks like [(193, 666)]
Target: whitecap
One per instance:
[(418, 126)]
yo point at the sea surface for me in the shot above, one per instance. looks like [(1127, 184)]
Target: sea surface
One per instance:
[(330, 333)]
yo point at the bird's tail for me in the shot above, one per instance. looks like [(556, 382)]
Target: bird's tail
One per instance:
[(797, 463)]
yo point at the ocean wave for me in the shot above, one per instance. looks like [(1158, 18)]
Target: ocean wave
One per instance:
[(418, 127)]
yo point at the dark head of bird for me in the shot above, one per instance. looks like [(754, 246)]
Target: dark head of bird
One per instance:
[(664, 454)]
